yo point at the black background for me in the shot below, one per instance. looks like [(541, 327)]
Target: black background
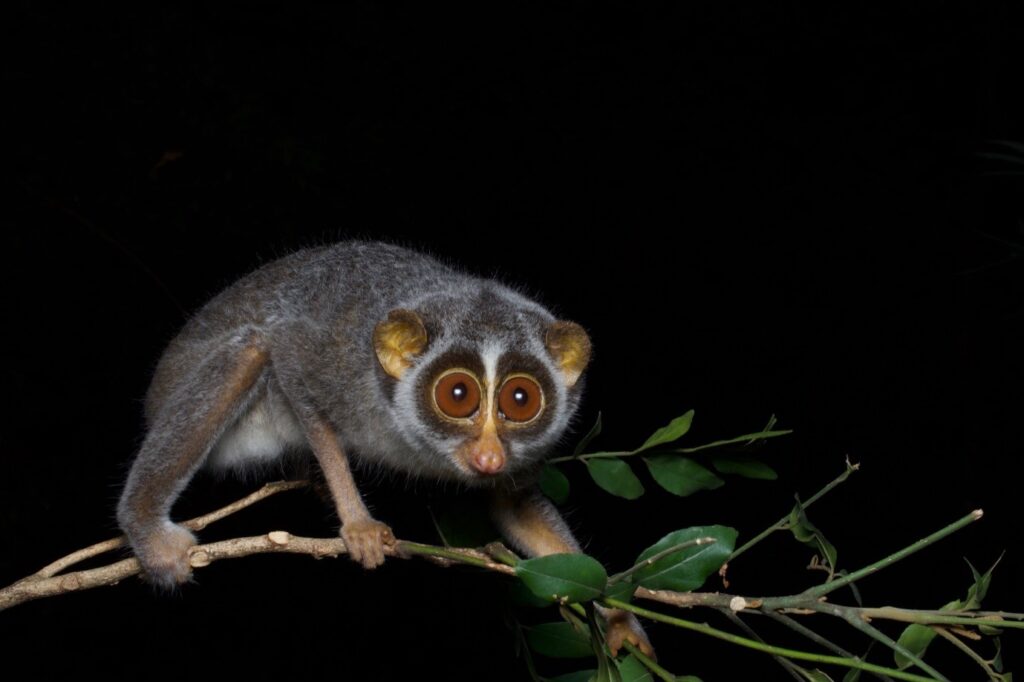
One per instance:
[(754, 211)]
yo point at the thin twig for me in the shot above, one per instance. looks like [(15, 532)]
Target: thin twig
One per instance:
[(784, 521), (62, 564), (36, 587), (792, 668), (810, 634), (198, 523), (747, 437), (951, 617), (971, 653), (201, 522), (648, 662), (826, 588), (767, 648), (874, 633)]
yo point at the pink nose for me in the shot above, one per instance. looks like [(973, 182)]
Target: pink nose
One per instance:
[(488, 461)]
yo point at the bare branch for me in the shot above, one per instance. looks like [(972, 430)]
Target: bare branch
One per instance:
[(37, 587), (201, 522), (198, 523)]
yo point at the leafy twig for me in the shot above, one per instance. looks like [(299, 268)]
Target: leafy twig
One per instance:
[(810, 634), (874, 633), (783, 523), (971, 653), (787, 665), (766, 648), (826, 588), (660, 555)]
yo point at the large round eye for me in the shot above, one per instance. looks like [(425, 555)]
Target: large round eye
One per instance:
[(457, 394), (520, 399)]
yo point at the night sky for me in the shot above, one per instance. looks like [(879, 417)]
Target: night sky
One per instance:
[(754, 210)]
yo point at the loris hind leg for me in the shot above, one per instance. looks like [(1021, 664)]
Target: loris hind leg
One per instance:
[(531, 523), (184, 428)]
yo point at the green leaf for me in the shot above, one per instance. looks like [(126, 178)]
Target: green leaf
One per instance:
[(688, 568), (593, 433), (681, 475), (666, 434), (580, 676), (559, 640), (554, 483), (622, 590), (815, 675), (563, 577), (521, 595), (615, 476), (915, 638), (688, 678), (744, 466), (805, 531), (632, 670), (977, 591)]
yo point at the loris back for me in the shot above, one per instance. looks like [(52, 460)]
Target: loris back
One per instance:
[(316, 311)]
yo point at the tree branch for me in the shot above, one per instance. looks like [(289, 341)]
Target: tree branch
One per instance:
[(198, 523), (51, 580)]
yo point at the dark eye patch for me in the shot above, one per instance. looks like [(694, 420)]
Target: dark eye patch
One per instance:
[(515, 362), (456, 357)]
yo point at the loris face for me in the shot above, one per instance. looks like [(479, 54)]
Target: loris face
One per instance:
[(486, 404)]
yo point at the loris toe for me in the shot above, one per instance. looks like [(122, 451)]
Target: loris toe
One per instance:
[(623, 627)]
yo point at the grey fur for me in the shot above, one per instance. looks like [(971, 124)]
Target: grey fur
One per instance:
[(313, 313)]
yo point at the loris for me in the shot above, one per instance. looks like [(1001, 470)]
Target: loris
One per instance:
[(369, 351)]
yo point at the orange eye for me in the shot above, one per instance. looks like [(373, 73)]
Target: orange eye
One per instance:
[(457, 395), (520, 399)]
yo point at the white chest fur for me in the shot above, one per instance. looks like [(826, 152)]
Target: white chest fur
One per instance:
[(261, 434)]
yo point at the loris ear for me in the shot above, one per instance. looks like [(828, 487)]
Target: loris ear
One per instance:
[(569, 345), (398, 340)]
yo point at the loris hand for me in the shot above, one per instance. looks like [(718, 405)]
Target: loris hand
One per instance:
[(366, 539), (624, 627)]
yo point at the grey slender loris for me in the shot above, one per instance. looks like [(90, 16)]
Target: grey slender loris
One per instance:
[(370, 351)]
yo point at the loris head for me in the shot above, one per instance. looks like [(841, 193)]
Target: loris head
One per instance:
[(488, 384)]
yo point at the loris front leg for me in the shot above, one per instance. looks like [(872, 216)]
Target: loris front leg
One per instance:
[(532, 524), (364, 536)]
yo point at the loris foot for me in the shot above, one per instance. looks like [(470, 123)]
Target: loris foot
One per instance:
[(164, 555), (624, 627), (366, 539)]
